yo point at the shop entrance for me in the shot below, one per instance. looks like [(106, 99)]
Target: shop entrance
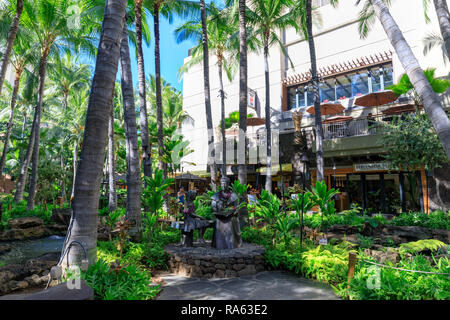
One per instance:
[(389, 193)]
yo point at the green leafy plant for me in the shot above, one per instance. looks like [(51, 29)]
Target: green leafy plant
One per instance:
[(119, 282), (421, 245), (153, 194), (321, 196), (364, 242)]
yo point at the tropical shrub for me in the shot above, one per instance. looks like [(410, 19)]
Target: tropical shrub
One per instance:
[(155, 190), (126, 282)]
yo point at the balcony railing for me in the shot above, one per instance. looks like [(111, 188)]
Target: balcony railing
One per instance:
[(354, 127)]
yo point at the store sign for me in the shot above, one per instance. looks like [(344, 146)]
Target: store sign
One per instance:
[(252, 99), (376, 166)]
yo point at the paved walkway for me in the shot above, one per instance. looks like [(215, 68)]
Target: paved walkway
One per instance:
[(268, 285)]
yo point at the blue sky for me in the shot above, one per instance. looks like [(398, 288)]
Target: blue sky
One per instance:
[(172, 54)]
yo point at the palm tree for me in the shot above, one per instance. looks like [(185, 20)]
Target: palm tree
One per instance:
[(23, 53), (220, 30), (87, 184), (443, 16), (167, 8), (267, 17), (11, 37), (315, 85), (134, 214), (243, 87), (145, 139), (112, 195), (49, 20), (431, 102)]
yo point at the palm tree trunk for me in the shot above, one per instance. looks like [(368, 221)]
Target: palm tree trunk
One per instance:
[(22, 135), (11, 117), (243, 88), (444, 22), (209, 123), (146, 154), (134, 214), (87, 183), (159, 112), (268, 124), (10, 42), (75, 165), (222, 110), (35, 166), (315, 84), (112, 199), (431, 101), (18, 196)]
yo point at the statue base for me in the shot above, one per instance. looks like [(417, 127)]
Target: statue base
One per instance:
[(203, 261)]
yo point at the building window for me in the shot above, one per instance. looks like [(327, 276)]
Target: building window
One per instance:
[(342, 87), (319, 3)]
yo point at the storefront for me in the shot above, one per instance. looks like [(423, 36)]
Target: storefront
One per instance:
[(376, 189)]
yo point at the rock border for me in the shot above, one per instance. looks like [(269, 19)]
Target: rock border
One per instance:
[(202, 261)]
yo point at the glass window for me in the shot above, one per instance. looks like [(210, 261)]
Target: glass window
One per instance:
[(327, 91), (343, 87), (360, 84), (295, 93), (309, 96), (388, 77), (376, 80)]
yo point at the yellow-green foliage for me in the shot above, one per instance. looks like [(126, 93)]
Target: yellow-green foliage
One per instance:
[(421, 245), (326, 263)]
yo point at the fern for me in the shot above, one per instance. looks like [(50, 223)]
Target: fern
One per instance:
[(421, 245)]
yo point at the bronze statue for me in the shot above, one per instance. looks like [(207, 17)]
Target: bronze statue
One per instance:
[(192, 222), (224, 204)]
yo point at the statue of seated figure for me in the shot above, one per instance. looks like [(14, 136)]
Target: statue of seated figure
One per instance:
[(224, 205), (192, 221)]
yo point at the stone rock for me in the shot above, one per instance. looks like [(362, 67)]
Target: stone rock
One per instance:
[(21, 234), (391, 255), (25, 222), (442, 235), (42, 263), (406, 233), (219, 274), (61, 216), (220, 266), (196, 272), (4, 249), (250, 269), (238, 266), (230, 274)]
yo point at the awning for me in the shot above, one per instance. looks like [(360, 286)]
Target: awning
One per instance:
[(337, 119), (287, 168), (327, 109), (376, 99), (399, 109)]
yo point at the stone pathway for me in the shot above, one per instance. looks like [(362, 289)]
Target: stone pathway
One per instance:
[(267, 285)]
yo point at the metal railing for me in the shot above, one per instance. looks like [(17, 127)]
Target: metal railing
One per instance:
[(354, 127)]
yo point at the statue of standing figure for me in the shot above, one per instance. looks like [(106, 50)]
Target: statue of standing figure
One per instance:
[(224, 205)]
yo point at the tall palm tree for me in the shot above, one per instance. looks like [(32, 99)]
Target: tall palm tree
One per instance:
[(444, 21), (87, 184), (166, 8), (24, 52), (431, 102), (443, 16), (49, 20), (315, 85), (133, 168), (220, 31), (11, 37), (112, 195), (145, 139), (267, 17), (243, 86)]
